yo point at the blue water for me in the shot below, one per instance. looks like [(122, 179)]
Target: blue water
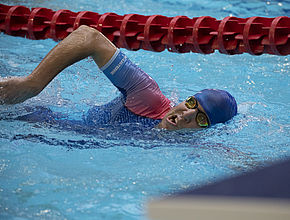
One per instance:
[(110, 173)]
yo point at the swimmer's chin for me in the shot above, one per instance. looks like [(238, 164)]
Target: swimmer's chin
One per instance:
[(177, 129)]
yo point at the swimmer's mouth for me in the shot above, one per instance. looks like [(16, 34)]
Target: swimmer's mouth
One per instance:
[(172, 119)]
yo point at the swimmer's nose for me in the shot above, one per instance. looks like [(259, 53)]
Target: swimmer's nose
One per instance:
[(189, 115)]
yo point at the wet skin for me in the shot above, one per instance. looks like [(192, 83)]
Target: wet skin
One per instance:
[(180, 117)]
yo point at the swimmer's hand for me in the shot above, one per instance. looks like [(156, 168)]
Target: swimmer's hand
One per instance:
[(14, 90)]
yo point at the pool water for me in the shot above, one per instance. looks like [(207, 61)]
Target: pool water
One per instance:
[(111, 172)]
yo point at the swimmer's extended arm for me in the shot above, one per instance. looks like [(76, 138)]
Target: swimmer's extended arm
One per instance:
[(81, 43)]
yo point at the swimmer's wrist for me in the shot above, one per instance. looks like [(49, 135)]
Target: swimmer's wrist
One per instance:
[(34, 85)]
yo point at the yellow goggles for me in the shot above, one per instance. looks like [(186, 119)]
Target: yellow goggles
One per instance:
[(201, 118)]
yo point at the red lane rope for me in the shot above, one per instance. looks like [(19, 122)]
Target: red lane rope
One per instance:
[(180, 34)]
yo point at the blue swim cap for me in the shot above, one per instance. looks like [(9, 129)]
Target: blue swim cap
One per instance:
[(219, 105)]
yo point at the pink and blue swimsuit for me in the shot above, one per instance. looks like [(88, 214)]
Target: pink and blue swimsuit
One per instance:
[(141, 100)]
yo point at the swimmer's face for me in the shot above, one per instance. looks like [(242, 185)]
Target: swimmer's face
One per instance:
[(183, 116)]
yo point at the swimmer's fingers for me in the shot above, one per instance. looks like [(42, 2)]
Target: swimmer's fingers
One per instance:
[(11, 91), (4, 91), (3, 83), (3, 96), (14, 90)]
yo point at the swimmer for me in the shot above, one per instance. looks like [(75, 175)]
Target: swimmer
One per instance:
[(141, 100)]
